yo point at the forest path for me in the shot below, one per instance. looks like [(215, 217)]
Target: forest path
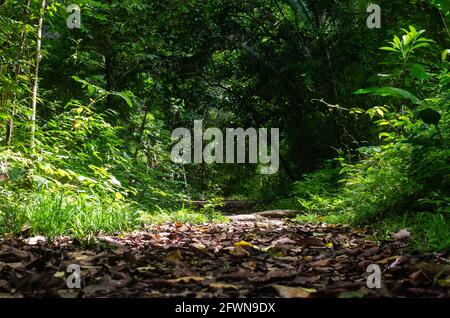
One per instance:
[(260, 257)]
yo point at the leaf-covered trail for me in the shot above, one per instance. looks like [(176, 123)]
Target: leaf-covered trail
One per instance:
[(248, 257)]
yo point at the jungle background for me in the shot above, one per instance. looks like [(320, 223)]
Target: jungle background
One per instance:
[(86, 114)]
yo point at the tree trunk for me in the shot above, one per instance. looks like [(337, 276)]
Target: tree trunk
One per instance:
[(36, 76), (109, 69), (17, 71), (109, 60), (141, 132)]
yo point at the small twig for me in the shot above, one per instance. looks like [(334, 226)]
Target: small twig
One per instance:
[(330, 105), (444, 260), (445, 23)]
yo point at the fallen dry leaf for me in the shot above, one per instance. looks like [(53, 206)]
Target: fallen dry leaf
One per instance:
[(237, 251), (402, 234), (223, 286), (322, 263), (174, 256), (282, 241), (186, 279), (35, 240), (244, 244), (294, 292), (284, 259)]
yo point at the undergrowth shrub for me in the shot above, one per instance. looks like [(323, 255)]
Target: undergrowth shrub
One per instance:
[(403, 179)]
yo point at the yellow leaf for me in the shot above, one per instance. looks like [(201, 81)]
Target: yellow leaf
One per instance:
[(76, 124), (444, 55), (199, 246), (380, 112), (145, 269), (444, 282), (186, 279), (119, 196), (243, 243), (388, 259), (238, 251)]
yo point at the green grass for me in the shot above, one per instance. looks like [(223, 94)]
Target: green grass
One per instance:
[(54, 214), (328, 218), (183, 216), (429, 231), (390, 188)]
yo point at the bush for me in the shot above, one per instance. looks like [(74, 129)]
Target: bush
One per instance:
[(403, 180)]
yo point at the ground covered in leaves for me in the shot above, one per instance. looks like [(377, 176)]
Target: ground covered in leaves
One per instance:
[(247, 257)]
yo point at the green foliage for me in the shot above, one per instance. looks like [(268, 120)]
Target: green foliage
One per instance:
[(111, 92), (55, 214), (442, 5), (403, 181), (405, 67), (411, 41), (315, 192), (389, 91)]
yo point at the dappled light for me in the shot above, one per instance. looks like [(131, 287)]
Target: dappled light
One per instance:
[(224, 149)]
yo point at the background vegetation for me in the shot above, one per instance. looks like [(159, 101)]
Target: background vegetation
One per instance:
[(363, 113)]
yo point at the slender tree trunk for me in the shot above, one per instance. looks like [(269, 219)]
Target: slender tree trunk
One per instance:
[(109, 60), (185, 178), (109, 72), (36, 76), (141, 132), (17, 71)]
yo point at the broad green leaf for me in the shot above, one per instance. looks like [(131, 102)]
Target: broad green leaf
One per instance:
[(126, 98), (384, 134), (444, 55), (388, 48), (389, 91), (420, 45)]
